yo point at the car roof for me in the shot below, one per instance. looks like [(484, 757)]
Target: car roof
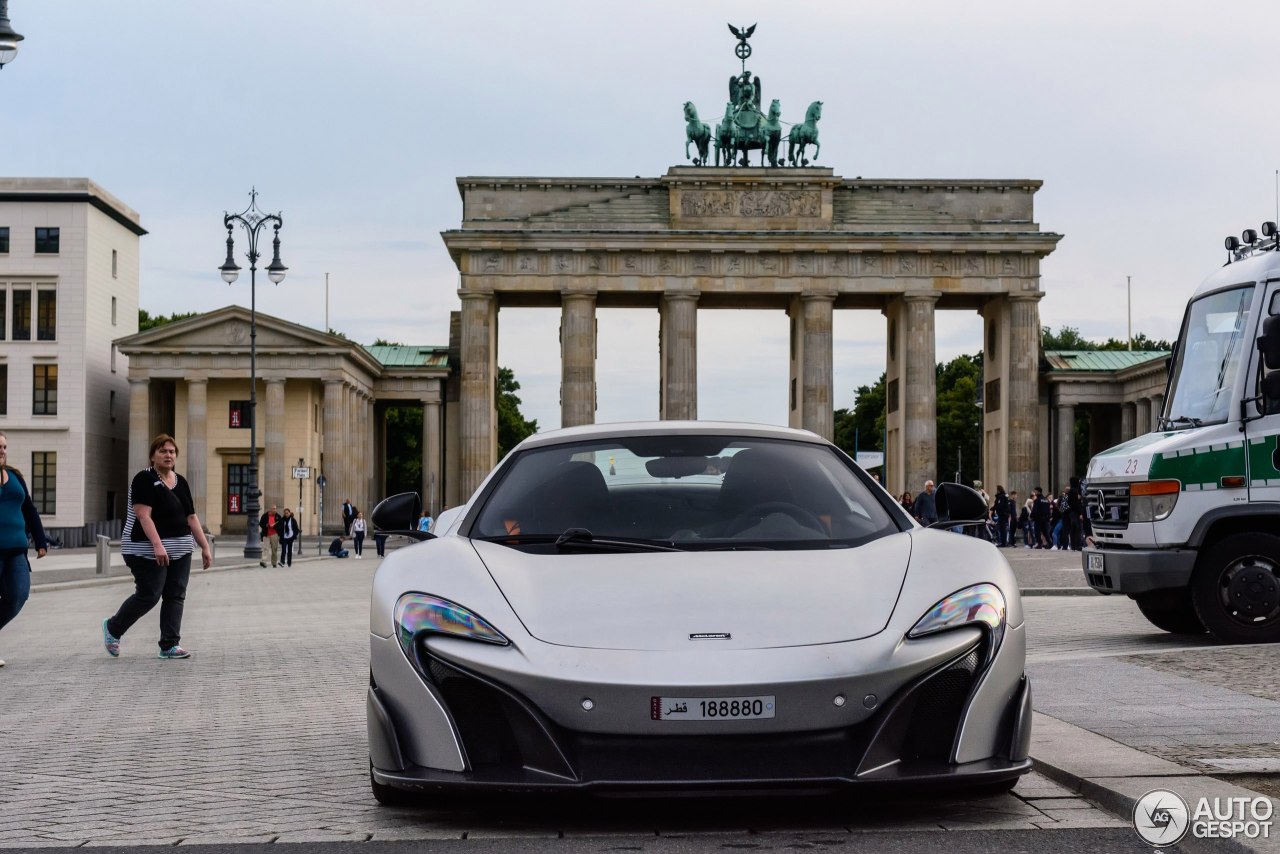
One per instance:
[(1258, 267), (666, 428)]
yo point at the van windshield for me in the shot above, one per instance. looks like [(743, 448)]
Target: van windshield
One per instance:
[(1213, 350)]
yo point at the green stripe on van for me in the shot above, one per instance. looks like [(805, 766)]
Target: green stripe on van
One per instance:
[(1200, 468)]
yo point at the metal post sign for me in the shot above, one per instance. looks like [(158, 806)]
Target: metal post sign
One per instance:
[(302, 472)]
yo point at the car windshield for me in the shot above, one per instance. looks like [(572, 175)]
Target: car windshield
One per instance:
[(1213, 348), (683, 492)]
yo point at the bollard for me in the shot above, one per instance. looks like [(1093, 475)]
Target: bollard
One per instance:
[(104, 555)]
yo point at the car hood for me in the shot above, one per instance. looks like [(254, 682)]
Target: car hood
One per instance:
[(727, 600)]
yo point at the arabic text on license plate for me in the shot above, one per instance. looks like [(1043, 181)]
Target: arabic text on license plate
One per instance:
[(710, 708), (1095, 563)]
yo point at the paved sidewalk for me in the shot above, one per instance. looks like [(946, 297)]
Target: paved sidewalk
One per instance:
[(261, 735)]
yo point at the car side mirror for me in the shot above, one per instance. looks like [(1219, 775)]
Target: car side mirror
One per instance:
[(398, 514), (1269, 342), (958, 504)]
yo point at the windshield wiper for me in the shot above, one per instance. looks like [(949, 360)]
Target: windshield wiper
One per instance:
[(582, 538)]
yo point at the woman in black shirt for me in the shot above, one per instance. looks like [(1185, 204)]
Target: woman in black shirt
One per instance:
[(161, 530)]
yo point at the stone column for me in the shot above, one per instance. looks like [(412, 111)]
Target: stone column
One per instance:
[(195, 455), (139, 424), (479, 370), (1024, 392), (275, 466), (577, 358), (431, 462), (1157, 408), (919, 390), (1066, 446), (816, 373), (1127, 421), (371, 459), (349, 453), (678, 344), (894, 452), (1143, 416), (330, 444)]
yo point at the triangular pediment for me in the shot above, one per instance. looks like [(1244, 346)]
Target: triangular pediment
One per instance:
[(228, 329)]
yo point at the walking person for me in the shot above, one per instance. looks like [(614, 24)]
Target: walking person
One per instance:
[(1003, 503), (357, 531), (18, 517), (161, 531), (1012, 519), (348, 516), (380, 543), (926, 505), (289, 533), (270, 527), (424, 522), (1075, 514)]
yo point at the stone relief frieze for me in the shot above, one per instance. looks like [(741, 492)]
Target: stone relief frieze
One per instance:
[(527, 264), (665, 264), (907, 265), (871, 265), (562, 263), (754, 203), (972, 266), (492, 262), (733, 265)]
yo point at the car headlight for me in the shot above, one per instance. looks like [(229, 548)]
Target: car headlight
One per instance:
[(981, 604), (1153, 500), (417, 613)]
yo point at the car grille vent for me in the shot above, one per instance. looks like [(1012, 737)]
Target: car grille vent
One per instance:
[(936, 715), (479, 714)]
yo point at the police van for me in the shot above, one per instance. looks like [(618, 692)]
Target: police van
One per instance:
[(1186, 520)]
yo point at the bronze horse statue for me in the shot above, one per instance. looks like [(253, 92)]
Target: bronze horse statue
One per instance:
[(696, 132), (803, 135), (745, 129)]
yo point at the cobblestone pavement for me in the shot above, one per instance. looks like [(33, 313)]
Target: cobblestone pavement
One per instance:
[(261, 736), (1042, 569), (1096, 662)]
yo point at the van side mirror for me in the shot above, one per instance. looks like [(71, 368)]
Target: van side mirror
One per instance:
[(1269, 342), (398, 514)]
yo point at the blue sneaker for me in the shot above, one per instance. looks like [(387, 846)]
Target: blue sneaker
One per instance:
[(174, 652), (110, 641)]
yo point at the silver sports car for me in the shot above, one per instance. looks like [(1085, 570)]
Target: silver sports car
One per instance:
[(691, 606)]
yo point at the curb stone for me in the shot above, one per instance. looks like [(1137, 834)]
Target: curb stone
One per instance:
[(1115, 776)]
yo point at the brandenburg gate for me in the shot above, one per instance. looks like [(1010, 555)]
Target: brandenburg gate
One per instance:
[(801, 240)]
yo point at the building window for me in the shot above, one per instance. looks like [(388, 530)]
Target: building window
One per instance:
[(113, 358), (991, 397), (46, 314), (4, 240), (4, 389), (113, 311), (112, 407), (115, 270), (47, 241), (237, 488), (22, 314), (45, 394), (44, 481), (4, 303), (238, 417), (891, 392)]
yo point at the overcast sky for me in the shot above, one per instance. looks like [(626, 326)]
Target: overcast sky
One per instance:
[(1153, 126)]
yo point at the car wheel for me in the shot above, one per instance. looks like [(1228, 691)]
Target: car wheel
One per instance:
[(1236, 588), (1170, 610), (389, 796)]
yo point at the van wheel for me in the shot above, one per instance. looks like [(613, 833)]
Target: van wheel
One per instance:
[(1170, 610), (1236, 588)]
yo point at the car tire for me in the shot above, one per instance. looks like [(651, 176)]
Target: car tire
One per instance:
[(390, 796), (1236, 588), (1171, 611)]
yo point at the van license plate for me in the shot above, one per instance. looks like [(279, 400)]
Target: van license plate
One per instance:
[(1095, 563)]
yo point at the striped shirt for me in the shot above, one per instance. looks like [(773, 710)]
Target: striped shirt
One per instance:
[(169, 511)]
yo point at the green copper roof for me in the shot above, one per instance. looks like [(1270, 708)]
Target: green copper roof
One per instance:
[(1100, 360), (410, 356)]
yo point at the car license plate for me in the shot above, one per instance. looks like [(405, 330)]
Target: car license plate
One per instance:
[(1095, 562), (710, 708)]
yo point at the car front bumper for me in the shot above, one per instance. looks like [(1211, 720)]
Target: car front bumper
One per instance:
[(459, 728)]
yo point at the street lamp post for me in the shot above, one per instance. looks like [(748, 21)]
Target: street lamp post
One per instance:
[(253, 221), (8, 38)]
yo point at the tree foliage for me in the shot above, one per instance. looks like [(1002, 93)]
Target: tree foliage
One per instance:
[(404, 450), (512, 426), (959, 420), (1069, 338), (865, 422), (146, 321)]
